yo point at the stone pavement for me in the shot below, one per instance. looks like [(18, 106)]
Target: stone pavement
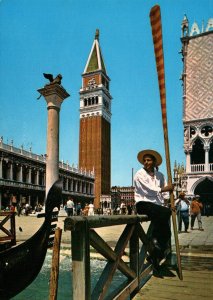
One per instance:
[(194, 241)]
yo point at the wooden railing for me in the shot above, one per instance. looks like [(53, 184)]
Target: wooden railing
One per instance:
[(9, 237), (136, 271)]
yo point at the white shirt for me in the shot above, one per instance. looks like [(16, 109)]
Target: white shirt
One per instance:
[(182, 205), (91, 210), (70, 204), (147, 188), (91, 206)]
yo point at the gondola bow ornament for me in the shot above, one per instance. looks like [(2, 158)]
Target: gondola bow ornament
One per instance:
[(155, 19)]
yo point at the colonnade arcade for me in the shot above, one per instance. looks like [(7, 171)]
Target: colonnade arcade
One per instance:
[(23, 174)]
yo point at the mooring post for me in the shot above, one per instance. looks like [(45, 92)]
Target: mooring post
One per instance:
[(55, 265), (81, 262)]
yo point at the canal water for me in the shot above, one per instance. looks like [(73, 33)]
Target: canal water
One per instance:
[(39, 288)]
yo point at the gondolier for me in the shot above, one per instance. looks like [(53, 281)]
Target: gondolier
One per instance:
[(151, 190)]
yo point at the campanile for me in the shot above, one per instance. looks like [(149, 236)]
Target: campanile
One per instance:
[(95, 121)]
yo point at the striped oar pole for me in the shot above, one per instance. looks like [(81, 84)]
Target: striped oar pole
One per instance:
[(155, 18)]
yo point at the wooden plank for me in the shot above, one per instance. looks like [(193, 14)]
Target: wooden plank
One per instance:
[(5, 238), (196, 285), (104, 249), (134, 258), (74, 223), (106, 277)]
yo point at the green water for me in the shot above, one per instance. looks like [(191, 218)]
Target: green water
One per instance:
[(39, 288)]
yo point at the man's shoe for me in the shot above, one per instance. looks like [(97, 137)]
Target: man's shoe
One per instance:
[(201, 229)]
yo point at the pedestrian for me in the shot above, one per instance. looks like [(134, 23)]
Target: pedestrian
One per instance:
[(86, 209), (195, 210), (150, 190), (129, 209), (182, 208), (19, 208), (91, 209), (123, 208), (78, 209), (27, 209), (70, 206)]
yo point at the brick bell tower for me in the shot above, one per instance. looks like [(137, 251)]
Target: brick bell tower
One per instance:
[(95, 118)]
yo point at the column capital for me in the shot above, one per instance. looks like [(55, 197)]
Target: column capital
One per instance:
[(54, 94), (206, 148)]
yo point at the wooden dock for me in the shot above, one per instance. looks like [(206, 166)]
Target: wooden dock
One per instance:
[(197, 283)]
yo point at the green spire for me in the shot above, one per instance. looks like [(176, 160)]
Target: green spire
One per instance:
[(95, 61)]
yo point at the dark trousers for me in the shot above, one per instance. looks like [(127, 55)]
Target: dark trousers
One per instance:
[(183, 217), (160, 221), (70, 212)]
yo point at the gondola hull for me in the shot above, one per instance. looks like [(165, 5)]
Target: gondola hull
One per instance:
[(20, 265)]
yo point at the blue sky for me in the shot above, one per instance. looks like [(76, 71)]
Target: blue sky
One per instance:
[(55, 36)]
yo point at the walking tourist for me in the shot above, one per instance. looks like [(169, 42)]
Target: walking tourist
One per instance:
[(91, 209), (129, 209), (123, 208), (150, 190), (182, 207), (86, 210), (69, 207), (195, 210), (78, 209)]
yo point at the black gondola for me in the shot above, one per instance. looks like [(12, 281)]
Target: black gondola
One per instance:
[(20, 264)]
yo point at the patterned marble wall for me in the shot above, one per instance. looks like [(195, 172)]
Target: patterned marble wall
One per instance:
[(199, 78)]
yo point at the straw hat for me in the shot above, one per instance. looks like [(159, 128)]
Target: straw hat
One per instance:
[(153, 153)]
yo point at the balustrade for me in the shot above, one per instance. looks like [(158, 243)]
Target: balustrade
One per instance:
[(197, 168)]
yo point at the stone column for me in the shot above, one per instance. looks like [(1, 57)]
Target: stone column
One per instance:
[(29, 175), (21, 174), (37, 176), (188, 162), (206, 159), (54, 95), (11, 171), (1, 168)]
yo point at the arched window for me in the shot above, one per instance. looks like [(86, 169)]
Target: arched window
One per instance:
[(198, 153), (211, 153)]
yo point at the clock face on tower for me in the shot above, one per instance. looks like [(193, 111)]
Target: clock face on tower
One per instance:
[(92, 83)]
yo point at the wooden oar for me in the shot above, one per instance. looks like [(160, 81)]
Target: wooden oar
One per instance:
[(155, 18)]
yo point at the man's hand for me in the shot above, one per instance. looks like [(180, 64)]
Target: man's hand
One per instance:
[(168, 188)]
